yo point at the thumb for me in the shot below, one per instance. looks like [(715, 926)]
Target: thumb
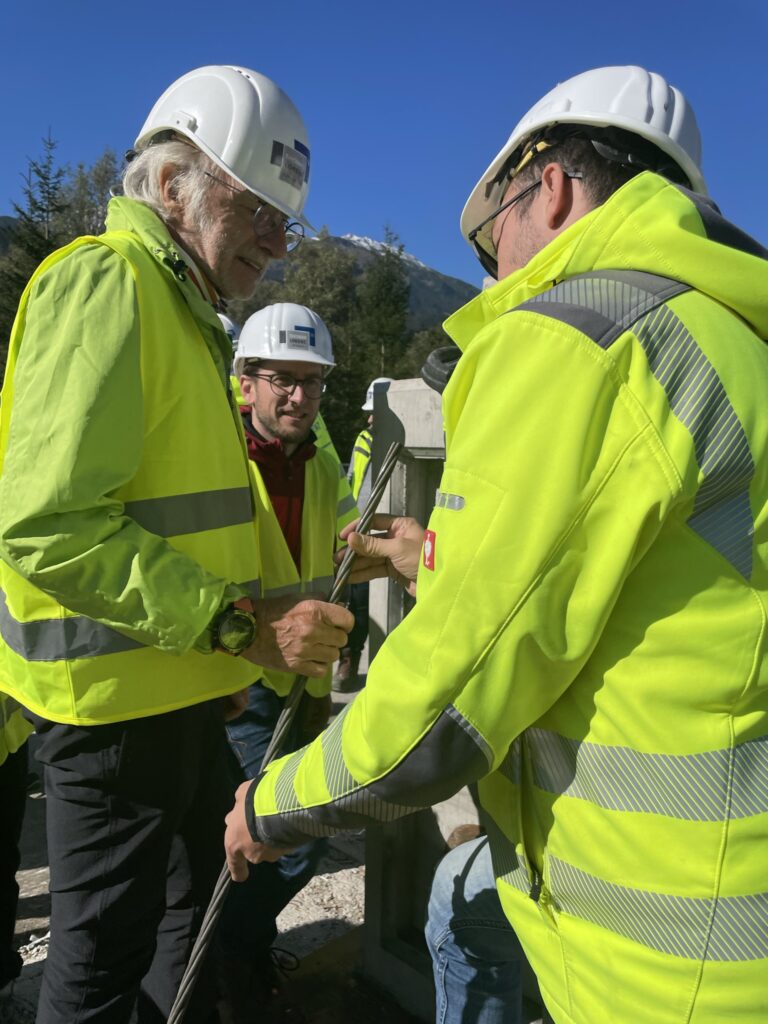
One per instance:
[(367, 545)]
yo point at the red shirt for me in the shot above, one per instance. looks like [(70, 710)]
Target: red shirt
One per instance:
[(283, 477)]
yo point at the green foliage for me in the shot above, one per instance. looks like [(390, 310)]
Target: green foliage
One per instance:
[(35, 235), (86, 195)]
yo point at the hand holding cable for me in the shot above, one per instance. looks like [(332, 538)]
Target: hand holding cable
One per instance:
[(395, 553)]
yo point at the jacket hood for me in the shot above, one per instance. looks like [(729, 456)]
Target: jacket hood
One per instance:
[(651, 225)]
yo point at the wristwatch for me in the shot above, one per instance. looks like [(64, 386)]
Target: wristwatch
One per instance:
[(234, 629)]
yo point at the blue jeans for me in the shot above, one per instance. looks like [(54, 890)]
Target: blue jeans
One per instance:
[(248, 920), (476, 955)]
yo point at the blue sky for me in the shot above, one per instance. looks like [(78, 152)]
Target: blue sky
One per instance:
[(405, 102)]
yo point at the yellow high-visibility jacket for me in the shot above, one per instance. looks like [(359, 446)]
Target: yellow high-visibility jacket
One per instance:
[(126, 506), (328, 506), (14, 728), (361, 459), (591, 640)]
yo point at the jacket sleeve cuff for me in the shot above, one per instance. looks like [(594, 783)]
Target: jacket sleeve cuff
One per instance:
[(232, 592), (250, 811)]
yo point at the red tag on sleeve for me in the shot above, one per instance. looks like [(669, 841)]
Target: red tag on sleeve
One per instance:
[(429, 550)]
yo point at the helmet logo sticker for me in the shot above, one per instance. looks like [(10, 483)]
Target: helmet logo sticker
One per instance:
[(293, 164), (428, 551), (300, 337)]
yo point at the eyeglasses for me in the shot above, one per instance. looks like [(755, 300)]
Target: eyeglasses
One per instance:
[(481, 237), (267, 220), (286, 384)]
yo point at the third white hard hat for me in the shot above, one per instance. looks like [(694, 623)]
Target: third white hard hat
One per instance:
[(286, 330), (246, 124), (374, 385), (629, 98)]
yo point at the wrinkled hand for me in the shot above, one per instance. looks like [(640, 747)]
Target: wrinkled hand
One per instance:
[(235, 704), (294, 634), (394, 553), (240, 849)]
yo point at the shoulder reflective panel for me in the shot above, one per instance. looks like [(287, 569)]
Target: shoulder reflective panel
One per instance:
[(712, 786), (722, 515), (603, 305)]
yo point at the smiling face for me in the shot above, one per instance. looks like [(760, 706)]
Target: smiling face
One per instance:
[(223, 242), (288, 418)]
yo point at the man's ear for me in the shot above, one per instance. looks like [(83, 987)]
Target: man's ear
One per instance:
[(247, 387), (169, 188), (557, 192)]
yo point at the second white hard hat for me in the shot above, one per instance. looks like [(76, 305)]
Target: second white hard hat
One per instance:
[(231, 328), (630, 98), (286, 330), (246, 124), (374, 385)]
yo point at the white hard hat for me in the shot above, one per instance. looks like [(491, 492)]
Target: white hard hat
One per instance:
[(286, 330), (629, 98), (368, 406), (231, 328), (246, 124)]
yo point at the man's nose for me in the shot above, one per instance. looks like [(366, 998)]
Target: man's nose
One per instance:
[(274, 243)]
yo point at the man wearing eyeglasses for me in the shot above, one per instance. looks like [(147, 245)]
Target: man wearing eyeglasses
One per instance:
[(303, 500), (588, 641), (131, 612)]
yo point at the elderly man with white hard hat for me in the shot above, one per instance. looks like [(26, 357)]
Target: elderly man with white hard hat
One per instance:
[(131, 618), (588, 641)]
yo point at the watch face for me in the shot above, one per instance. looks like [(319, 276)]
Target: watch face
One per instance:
[(236, 630)]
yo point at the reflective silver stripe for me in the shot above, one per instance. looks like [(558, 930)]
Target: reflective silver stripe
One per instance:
[(254, 588), (362, 451), (604, 303), (506, 864), (721, 513), (60, 639), (178, 514), (711, 786), (454, 502), (345, 505), (727, 929), (450, 754)]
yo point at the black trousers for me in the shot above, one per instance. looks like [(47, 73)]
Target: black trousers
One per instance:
[(13, 796), (135, 820)]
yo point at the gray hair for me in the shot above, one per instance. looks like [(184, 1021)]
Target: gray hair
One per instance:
[(142, 181)]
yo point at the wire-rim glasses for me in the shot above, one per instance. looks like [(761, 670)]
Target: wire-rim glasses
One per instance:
[(284, 384), (267, 220)]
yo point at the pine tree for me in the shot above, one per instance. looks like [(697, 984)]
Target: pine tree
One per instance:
[(86, 195), (35, 235), (383, 306)]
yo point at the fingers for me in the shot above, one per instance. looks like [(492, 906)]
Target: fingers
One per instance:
[(381, 521), (237, 865)]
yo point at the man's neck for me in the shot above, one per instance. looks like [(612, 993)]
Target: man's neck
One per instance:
[(289, 447)]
